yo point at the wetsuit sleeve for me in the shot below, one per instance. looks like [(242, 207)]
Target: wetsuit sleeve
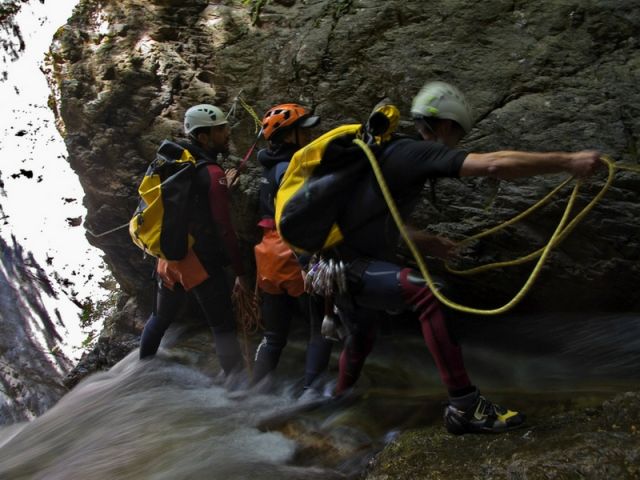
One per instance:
[(219, 206), (418, 159)]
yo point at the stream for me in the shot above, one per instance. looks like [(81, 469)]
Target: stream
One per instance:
[(174, 417)]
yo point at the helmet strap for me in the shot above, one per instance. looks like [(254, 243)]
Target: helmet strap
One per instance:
[(423, 122)]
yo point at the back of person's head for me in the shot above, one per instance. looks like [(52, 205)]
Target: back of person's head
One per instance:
[(283, 118), (202, 117), (442, 101)]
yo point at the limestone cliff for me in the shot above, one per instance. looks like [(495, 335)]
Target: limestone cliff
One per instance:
[(545, 76), (542, 75)]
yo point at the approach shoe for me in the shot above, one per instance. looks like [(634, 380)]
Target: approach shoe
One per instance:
[(482, 416)]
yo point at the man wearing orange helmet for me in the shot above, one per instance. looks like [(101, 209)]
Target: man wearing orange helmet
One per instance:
[(279, 275)]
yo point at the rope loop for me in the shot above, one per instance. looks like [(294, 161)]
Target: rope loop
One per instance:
[(562, 230)]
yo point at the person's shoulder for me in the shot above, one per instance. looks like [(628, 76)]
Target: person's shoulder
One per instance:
[(400, 144), (208, 173)]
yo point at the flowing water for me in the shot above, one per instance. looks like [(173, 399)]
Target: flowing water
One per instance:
[(48, 270), (173, 418)]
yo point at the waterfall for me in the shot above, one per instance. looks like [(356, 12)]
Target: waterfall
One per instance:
[(47, 269)]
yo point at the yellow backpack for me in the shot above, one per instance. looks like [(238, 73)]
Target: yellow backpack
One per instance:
[(160, 223), (320, 178)]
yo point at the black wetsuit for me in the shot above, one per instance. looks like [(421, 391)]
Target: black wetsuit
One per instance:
[(376, 282), (215, 247), (279, 309)]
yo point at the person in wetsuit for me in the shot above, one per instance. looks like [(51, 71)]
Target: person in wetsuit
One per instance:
[(279, 273), (378, 283), (202, 271)]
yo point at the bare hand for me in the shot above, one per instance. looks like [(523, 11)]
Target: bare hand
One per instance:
[(232, 176), (584, 163), (434, 245)]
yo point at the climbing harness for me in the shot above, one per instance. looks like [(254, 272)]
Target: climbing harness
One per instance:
[(327, 277), (562, 230)]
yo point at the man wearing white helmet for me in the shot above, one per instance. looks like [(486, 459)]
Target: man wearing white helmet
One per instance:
[(377, 283), (215, 246)]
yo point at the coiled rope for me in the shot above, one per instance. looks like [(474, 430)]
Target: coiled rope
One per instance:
[(247, 313), (562, 230), (561, 235)]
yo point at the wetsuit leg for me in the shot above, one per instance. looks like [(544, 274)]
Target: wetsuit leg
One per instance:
[(445, 351), (319, 347), (277, 311), (167, 304), (386, 286), (357, 347), (214, 297)]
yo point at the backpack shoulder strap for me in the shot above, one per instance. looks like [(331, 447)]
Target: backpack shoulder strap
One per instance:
[(199, 155)]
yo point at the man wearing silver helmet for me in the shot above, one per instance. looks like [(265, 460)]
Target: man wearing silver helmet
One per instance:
[(442, 117), (215, 246)]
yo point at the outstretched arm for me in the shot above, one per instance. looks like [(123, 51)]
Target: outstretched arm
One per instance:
[(513, 164)]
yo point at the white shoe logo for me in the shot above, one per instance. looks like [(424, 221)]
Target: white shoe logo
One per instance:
[(478, 415)]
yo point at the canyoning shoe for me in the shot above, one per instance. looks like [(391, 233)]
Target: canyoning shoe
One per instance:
[(482, 416)]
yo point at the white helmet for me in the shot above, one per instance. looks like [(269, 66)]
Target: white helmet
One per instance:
[(442, 100), (203, 115)]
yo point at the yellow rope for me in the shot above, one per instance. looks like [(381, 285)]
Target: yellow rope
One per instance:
[(561, 236), (561, 230), (251, 112)]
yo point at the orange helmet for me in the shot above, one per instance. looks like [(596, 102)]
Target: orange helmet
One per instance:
[(286, 115)]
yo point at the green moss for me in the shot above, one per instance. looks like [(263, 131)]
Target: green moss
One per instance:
[(341, 7), (256, 7)]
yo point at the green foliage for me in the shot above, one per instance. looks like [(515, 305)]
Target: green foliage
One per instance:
[(256, 6), (95, 312)]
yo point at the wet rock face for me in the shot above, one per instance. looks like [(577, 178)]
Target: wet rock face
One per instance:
[(541, 76), (585, 442)]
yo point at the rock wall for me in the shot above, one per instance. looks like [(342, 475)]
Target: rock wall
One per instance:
[(540, 75)]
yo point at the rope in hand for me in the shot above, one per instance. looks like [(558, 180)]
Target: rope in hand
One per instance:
[(563, 228), (562, 234)]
